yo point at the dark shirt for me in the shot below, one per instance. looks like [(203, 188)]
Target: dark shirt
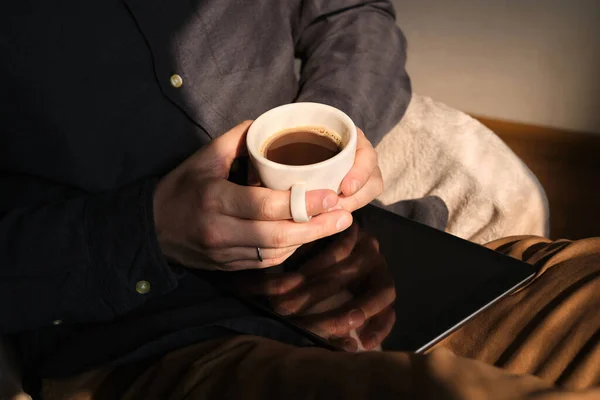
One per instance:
[(90, 120)]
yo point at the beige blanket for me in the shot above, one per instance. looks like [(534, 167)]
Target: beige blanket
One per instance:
[(437, 151)]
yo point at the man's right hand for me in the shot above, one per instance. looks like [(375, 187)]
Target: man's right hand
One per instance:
[(204, 221)]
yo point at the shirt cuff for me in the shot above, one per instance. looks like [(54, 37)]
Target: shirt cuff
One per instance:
[(123, 247)]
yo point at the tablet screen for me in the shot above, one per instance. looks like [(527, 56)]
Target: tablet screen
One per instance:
[(440, 280)]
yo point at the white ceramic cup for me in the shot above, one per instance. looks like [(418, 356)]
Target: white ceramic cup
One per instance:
[(302, 178)]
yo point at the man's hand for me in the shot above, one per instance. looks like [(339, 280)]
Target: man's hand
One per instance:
[(204, 221), (364, 182), (351, 263)]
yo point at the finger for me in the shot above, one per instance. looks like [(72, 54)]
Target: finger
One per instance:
[(332, 282), (242, 265), (365, 163), (365, 195), (377, 328), (368, 264), (337, 322), (262, 204), (379, 293), (307, 296), (335, 253), (231, 254), (275, 234), (217, 157), (216, 259)]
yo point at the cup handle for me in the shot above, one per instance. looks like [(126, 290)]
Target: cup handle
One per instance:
[(298, 203)]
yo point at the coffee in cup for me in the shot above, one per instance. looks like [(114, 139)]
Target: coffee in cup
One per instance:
[(302, 147)]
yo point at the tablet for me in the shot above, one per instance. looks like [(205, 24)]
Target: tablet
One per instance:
[(441, 281)]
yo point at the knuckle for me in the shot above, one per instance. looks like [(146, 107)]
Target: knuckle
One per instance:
[(267, 208), (280, 238), (207, 236), (207, 198)]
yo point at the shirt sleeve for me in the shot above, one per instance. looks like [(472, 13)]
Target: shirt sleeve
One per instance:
[(82, 258), (353, 58)]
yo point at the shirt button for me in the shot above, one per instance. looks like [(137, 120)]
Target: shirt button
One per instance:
[(57, 322), (176, 81), (142, 287)]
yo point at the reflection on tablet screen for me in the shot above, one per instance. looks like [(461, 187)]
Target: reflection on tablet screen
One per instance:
[(413, 284)]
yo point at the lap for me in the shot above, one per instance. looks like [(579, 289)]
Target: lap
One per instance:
[(549, 328), (547, 333)]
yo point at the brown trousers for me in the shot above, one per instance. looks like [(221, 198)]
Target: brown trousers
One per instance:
[(543, 342)]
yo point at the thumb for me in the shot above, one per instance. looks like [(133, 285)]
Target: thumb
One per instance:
[(218, 156)]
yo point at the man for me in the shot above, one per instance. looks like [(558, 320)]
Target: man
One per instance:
[(102, 104), (114, 163)]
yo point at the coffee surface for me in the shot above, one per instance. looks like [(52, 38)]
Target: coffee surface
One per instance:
[(302, 146)]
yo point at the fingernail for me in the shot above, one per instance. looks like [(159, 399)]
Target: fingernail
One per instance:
[(336, 207), (354, 186), (329, 201), (343, 223), (356, 318)]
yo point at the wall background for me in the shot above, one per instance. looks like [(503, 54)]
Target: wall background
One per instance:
[(530, 61)]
